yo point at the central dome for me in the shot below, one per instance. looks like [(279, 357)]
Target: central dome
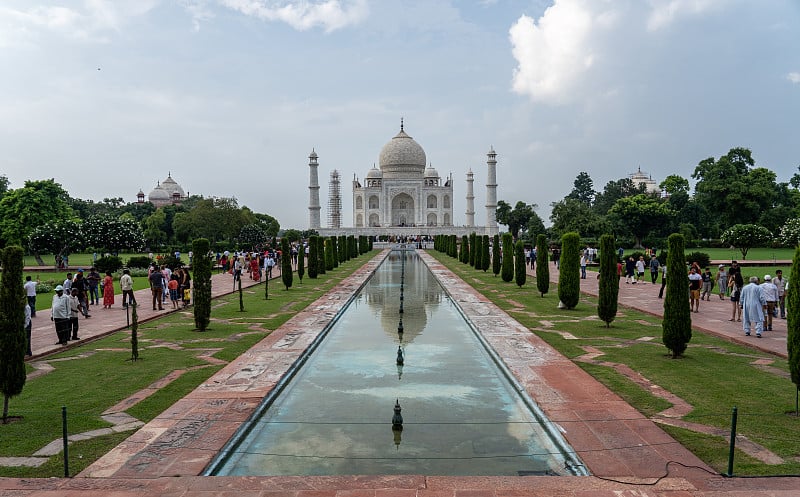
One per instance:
[(402, 157)]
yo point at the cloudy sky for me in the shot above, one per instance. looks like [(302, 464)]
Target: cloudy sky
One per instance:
[(230, 96)]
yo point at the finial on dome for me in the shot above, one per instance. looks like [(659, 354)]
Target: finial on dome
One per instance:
[(401, 124), (169, 174)]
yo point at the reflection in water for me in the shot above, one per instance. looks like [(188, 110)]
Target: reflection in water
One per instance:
[(460, 415)]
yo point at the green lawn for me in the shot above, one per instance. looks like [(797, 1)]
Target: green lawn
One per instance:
[(754, 254), (91, 378), (713, 376)]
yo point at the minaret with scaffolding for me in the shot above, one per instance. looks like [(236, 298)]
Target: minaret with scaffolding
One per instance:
[(334, 201)]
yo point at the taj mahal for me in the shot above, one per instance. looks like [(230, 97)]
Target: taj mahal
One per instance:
[(403, 196)]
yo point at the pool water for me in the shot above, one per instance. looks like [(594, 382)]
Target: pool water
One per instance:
[(461, 414)]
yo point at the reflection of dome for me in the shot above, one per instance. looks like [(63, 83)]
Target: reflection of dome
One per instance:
[(430, 172), (402, 157), (374, 173)]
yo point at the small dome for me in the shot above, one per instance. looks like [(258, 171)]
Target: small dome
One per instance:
[(402, 156), (159, 193), (430, 172), (374, 173), (171, 187)]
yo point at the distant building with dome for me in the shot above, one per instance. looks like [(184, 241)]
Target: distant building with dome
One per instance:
[(642, 178), (167, 192), (405, 195)]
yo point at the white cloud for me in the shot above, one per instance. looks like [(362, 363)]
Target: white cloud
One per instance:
[(794, 77), (664, 12), (554, 53), (199, 11), (304, 14)]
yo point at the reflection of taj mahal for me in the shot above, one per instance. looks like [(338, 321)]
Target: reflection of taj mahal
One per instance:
[(404, 195)]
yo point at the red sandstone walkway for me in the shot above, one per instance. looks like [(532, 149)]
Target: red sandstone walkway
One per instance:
[(163, 457), (713, 317)]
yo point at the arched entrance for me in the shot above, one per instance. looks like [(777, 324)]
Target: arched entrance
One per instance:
[(403, 210)]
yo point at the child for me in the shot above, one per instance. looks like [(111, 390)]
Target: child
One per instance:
[(173, 291)]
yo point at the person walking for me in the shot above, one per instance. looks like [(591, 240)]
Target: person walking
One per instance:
[(108, 291), (94, 283), (60, 312), (75, 310), (752, 304), (780, 283), (722, 281), (654, 265), (708, 285), (30, 293), (771, 297), (28, 328), (583, 265), (157, 289), (630, 269), (695, 280), (663, 281), (736, 283), (640, 268), (126, 286)]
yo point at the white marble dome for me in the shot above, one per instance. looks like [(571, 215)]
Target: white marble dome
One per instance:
[(402, 157), (374, 173), (159, 193), (171, 187), (430, 172)]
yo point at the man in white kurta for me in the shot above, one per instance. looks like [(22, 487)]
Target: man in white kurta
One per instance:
[(753, 303)]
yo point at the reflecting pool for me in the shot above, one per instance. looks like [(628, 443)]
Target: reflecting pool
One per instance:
[(461, 414)]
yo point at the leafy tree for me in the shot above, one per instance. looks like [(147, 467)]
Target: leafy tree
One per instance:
[(639, 215), (59, 238), (674, 185), (517, 218), (507, 269), (746, 236), (113, 234), (292, 235), (615, 190), (609, 281), (286, 263), (201, 266), (496, 256), (535, 228), (520, 265), (677, 323), (271, 225), (583, 189), (13, 339), (569, 282), (790, 232), (3, 185), (570, 215), (485, 253), (731, 188), (155, 225), (313, 257), (793, 324), (253, 236), (27, 208), (542, 265)]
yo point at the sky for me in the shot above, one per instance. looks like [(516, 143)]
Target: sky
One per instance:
[(229, 97)]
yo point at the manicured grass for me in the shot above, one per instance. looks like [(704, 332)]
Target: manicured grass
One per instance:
[(96, 376), (713, 376)]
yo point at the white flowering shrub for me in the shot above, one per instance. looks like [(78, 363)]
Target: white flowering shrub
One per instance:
[(746, 236), (790, 232)]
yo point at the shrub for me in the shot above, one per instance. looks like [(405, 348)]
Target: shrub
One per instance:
[(609, 281), (701, 258), (507, 269), (569, 278), (286, 262), (108, 264), (139, 261), (520, 265), (677, 323), (496, 259), (542, 265), (202, 284), (485, 253)]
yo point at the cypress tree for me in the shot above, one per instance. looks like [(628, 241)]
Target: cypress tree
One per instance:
[(342, 243), (542, 265), (793, 325), (134, 333), (485, 257), (335, 252), (301, 262), (286, 263), (453, 249), (13, 337), (496, 255), (569, 278), (507, 269), (201, 266), (677, 323), (329, 254), (609, 281), (473, 249), (520, 265), (464, 249), (322, 259), (369, 244), (313, 259), (478, 256)]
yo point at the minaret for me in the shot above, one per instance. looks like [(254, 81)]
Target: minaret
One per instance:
[(313, 190), (491, 193), (470, 200)]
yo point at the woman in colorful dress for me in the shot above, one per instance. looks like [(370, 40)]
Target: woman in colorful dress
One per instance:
[(108, 291)]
